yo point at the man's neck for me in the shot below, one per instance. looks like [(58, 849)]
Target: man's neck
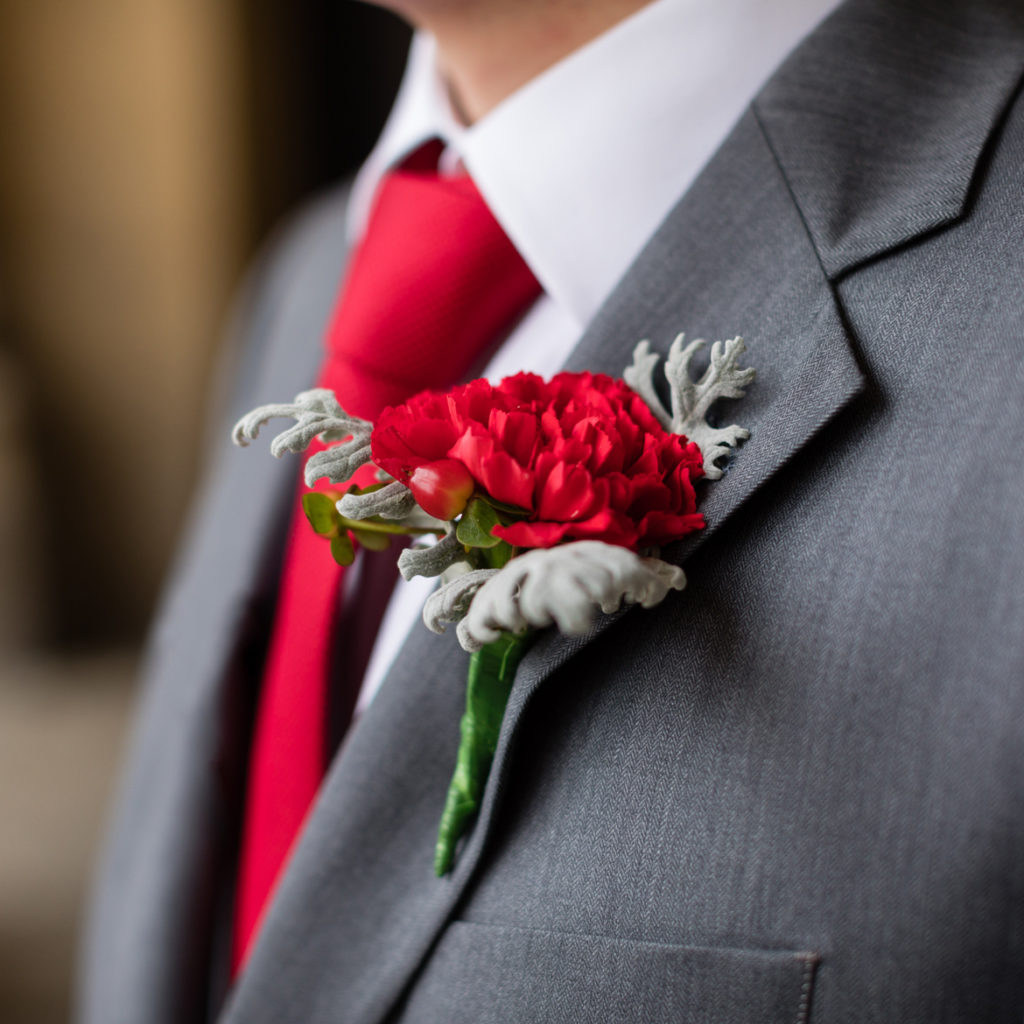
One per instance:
[(489, 48)]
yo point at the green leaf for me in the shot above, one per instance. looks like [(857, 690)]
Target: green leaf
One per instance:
[(498, 557), (320, 512), (342, 548), (372, 540), (368, 489), (474, 529)]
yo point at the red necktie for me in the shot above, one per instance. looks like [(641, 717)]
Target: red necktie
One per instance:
[(432, 284)]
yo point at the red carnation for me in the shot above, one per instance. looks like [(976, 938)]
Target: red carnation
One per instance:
[(580, 457)]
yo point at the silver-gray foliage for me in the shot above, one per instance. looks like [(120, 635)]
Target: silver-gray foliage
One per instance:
[(317, 413), (392, 501), (451, 601), (566, 586), (691, 400), (433, 560), (338, 463)]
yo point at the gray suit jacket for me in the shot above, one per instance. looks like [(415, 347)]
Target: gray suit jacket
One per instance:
[(794, 792)]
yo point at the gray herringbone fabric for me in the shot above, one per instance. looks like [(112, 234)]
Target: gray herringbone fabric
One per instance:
[(793, 792)]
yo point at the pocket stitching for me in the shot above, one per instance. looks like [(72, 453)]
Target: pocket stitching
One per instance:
[(804, 1008)]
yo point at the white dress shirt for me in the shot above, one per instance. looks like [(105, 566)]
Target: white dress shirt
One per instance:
[(582, 164)]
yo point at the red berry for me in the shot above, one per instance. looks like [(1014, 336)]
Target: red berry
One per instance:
[(441, 488)]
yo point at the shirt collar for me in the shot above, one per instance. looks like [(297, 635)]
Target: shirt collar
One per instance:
[(421, 112), (580, 168)]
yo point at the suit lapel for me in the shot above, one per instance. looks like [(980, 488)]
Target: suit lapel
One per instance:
[(750, 250), (733, 258), (880, 121), (866, 176)]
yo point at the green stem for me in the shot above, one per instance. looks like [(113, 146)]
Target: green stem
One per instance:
[(373, 526), (491, 673)]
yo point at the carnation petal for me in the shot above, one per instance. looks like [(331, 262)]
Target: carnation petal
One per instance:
[(508, 482), (567, 493), (390, 451), (569, 449), (400, 444), (532, 535), (606, 450), (659, 528), (517, 433), (648, 494), (525, 389), (647, 461), (495, 471), (609, 525)]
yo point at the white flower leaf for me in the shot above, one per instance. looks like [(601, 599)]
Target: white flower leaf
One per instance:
[(317, 414), (393, 501), (450, 602), (433, 560), (564, 586), (692, 400), (338, 463), (640, 377)]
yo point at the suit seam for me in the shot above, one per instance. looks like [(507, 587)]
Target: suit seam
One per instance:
[(789, 189)]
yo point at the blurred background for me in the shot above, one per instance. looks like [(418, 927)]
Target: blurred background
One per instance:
[(147, 147)]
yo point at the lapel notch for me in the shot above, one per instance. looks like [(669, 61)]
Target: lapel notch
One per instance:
[(879, 120)]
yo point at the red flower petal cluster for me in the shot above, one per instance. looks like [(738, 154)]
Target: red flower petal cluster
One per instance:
[(582, 457)]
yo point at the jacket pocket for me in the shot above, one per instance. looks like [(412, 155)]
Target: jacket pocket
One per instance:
[(485, 974)]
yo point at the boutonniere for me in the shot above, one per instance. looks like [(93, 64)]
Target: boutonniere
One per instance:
[(546, 502)]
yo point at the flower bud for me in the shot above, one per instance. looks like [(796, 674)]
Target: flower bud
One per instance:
[(441, 488)]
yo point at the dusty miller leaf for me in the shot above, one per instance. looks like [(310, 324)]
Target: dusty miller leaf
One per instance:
[(317, 414), (393, 501), (640, 377), (565, 585), (433, 560), (692, 400), (338, 463), (450, 602)]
